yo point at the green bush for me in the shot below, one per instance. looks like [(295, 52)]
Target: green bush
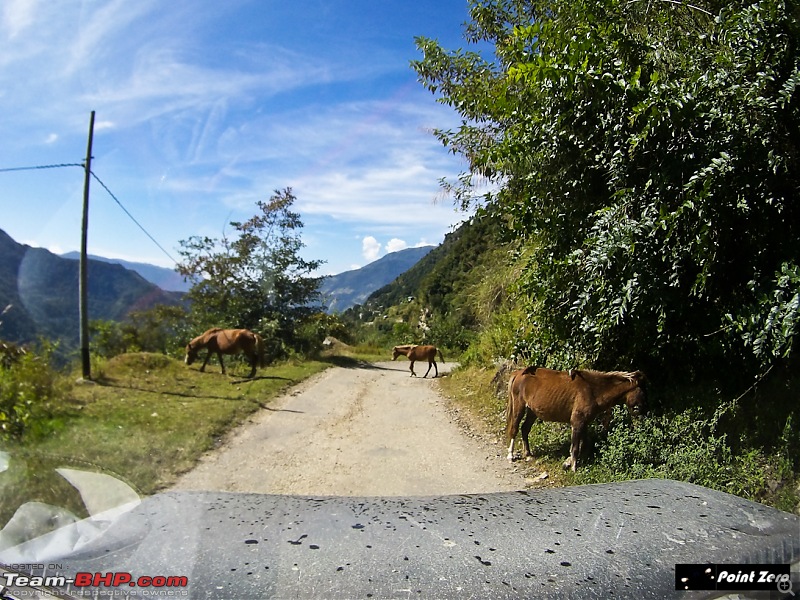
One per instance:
[(694, 445), (29, 389)]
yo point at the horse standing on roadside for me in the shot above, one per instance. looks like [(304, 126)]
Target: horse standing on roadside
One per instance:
[(227, 341), (414, 353), (576, 397)]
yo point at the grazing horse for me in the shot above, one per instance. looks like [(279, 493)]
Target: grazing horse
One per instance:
[(227, 341), (414, 353), (575, 397)]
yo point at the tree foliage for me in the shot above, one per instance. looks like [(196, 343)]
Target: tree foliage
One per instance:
[(162, 329), (255, 279), (646, 156)]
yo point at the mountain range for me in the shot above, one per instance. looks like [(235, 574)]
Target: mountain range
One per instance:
[(39, 289), (339, 292), (167, 279), (345, 290), (39, 293)]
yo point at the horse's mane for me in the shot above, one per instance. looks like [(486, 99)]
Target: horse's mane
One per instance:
[(631, 376)]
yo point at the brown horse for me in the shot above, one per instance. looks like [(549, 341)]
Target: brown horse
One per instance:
[(227, 341), (414, 353), (575, 397)]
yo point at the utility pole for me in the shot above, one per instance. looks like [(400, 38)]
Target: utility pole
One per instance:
[(83, 276)]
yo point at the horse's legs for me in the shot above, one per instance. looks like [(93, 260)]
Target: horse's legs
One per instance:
[(435, 368), (253, 358), (411, 368), (578, 432), (221, 364), (512, 426), (205, 362), (429, 370), (526, 430)]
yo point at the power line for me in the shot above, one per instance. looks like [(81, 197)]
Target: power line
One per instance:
[(139, 225), (38, 167), (105, 187)]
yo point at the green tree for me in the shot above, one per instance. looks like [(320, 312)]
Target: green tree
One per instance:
[(110, 338), (161, 329), (255, 279), (646, 155)]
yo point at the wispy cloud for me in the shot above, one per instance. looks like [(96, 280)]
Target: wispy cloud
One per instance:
[(203, 111), (18, 16)]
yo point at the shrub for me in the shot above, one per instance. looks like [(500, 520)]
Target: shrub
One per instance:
[(29, 388), (694, 446)]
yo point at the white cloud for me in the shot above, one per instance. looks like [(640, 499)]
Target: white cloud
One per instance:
[(394, 244), (370, 248), (104, 125)]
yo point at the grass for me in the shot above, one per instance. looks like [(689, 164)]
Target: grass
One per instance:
[(146, 419), (361, 352)]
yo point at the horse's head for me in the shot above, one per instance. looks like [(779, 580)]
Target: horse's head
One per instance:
[(636, 398), (191, 354), (395, 353)]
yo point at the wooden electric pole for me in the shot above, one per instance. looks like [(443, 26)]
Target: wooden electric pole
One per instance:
[(83, 276)]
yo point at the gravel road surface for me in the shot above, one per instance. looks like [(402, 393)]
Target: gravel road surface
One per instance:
[(369, 431)]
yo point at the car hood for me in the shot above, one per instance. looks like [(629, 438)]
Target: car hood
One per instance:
[(576, 542)]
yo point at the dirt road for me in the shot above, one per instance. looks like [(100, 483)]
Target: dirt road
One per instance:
[(371, 431)]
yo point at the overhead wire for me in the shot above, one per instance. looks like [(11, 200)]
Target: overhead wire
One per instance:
[(58, 166), (105, 187), (131, 217)]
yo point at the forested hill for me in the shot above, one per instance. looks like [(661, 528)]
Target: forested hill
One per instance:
[(440, 277), (343, 290), (39, 292), (449, 295)]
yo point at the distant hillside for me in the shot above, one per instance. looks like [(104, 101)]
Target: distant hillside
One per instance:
[(42, 290), (438, 278), (342, 291), (166, 279)]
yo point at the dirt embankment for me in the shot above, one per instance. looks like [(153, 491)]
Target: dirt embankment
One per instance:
[(371, 431)]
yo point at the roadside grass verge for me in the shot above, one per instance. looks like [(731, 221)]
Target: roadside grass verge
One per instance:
[(360, 353), (145, 419), (749, 448)]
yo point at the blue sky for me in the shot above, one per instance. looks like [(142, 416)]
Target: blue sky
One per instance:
[(203, 108)]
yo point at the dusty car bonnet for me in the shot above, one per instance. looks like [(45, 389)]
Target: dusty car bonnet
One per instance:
[(576, 542)]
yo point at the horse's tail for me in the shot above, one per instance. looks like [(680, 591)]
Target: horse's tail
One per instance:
[(260, 350), (439, 350)]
